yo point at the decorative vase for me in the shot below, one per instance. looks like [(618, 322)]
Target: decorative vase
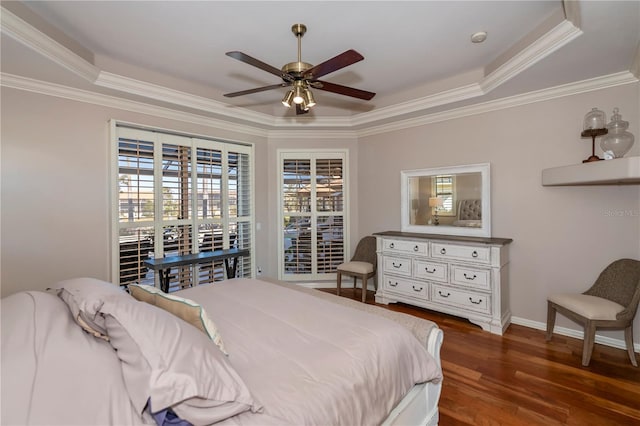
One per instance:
[(618, 140)]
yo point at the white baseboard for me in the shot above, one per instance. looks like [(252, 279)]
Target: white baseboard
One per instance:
[(563, 331)]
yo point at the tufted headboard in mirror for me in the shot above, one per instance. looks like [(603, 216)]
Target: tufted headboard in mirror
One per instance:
[(452, 200)]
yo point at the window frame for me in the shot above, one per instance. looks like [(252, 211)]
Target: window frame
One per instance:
[(312, 155), (194, 142)]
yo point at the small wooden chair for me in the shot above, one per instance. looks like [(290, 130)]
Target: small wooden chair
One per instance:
[(362, 265), (611, 302)]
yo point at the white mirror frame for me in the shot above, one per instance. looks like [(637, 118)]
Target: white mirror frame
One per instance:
[(484, 231)]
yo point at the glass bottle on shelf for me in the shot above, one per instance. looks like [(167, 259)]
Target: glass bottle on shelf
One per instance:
[(618, 140)]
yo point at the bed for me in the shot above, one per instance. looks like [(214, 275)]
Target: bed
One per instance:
[(238, 352), (469, 214)]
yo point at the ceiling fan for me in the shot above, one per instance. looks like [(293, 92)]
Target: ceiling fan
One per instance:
[(301, 76)]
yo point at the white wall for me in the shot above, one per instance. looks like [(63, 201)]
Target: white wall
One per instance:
[(55, 187), (563, 236)]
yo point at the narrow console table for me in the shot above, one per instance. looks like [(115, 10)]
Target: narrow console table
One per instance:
[(462, 276), (164, 264)]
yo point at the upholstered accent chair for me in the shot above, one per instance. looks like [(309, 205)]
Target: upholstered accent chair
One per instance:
[(363, 265), (611, 302)]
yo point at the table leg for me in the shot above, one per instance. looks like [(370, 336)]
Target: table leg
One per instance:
[(231, 268), (164, 279)]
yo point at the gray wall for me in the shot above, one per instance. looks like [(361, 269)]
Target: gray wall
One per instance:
[(563, 236), (55, 189)]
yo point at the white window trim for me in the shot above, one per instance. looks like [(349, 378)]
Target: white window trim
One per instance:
[(162, 135), (311, 154)]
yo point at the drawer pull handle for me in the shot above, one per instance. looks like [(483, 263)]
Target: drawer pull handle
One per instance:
[(475, 303), (474, 254), (415, 248), (399, 265), (392, 245), (416, 289), (392, 284), (443, 251), (443, 295), (428, 271), (470, 278)]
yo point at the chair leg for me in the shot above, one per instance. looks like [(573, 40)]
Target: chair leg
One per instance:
[(628, 338), (339, 283), (589, 339), (364, 288), (551, 320)]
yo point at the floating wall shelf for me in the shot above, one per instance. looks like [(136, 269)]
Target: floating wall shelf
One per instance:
[(619, 171)]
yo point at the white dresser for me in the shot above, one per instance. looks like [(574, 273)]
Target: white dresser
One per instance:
[(462, 276)]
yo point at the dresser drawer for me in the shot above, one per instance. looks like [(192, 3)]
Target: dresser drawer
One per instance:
[(397, 265), (462, 299), (459, 252), (430, 270), (471, 277), (405, 247), (407, 287)]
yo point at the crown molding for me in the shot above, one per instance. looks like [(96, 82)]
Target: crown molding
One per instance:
[(313, 134), (176, 97), (553, 40), (317, 132), (78, 95), (559, 36), (23, 32), (589, 85), (52, 89)]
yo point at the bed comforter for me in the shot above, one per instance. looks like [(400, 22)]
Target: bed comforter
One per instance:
[(304, 359), (310, 361)]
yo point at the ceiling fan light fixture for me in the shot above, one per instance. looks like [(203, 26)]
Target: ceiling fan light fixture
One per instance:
[(298, 95), (310, 99), (288, 98)]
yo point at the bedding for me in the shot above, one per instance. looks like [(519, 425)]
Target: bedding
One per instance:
[(342, 366), (294, 357), (181, 307), (54, 373)]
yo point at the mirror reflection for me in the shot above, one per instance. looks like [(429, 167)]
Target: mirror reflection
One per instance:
[(452, 200)]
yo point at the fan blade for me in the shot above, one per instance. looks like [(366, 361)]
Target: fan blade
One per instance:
[(334, 64), (243, 57), (256, 90), (299, 110), (342, 90)]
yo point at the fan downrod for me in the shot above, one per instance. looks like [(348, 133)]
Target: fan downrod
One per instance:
[(297, 68)]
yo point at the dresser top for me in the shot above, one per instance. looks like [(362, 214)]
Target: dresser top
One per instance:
[(459, 238)]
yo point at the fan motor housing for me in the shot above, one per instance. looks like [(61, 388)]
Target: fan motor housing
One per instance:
[(296, 68)]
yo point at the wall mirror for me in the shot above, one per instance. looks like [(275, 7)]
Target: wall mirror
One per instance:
[(452, 200)]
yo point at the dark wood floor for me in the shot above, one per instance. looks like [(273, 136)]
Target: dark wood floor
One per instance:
[(520, 379)]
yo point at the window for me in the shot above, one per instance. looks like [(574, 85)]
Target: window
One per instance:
[(312, 214), (178, 195), (444, 189)]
